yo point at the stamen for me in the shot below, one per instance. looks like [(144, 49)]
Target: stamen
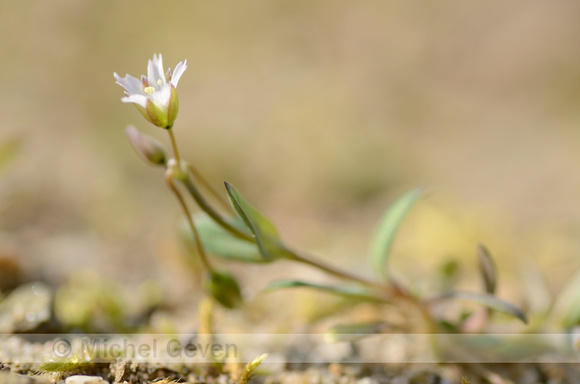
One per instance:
[(149, 89), (159, 82)]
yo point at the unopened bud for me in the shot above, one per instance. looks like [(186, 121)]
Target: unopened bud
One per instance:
[(147, 147), (224, 288)]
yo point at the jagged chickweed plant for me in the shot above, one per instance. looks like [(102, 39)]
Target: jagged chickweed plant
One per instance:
[(246, 234)]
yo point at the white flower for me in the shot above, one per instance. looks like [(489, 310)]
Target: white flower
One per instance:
[(155, 95)]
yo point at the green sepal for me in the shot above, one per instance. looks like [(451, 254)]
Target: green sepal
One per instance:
[(155, 115), (173, 107)]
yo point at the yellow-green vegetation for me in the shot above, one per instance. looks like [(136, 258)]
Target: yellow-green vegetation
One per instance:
[(249, 368), (66, 366)]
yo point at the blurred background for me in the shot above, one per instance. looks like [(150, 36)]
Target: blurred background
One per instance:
[(321, 113)]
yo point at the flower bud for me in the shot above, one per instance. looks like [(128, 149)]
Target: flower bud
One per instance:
[(224, 288), (147, 147)]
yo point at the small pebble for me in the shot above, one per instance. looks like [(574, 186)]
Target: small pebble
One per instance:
[(81, 379)]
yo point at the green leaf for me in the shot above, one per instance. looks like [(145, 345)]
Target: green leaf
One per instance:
[(487, 268), (487, 300), (353, 332), (266, 234), (385, 232), (219, 242), (351, 291)]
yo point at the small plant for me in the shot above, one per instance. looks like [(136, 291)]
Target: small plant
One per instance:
[(72, 364), (246, 234), (248, 371)]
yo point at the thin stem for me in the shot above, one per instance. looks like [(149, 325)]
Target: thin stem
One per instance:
[(197, 241), (208, 187), (293, 255), (396, 290), (174, 145), (203, 204), (333, 270)]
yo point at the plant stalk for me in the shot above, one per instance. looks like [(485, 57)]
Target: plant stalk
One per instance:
[(174, 145), (198, 244), (396, 290), (309, 260)]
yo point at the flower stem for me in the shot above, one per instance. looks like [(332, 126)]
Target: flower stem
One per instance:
[(219, 198), (309, 260), (393, 290), (198, 244), (174, 145)]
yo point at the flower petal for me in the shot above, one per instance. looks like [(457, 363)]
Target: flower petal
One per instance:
[(179, 69), (131, 84), (161, 97), (153, 96), (140, 100), (155, 71)]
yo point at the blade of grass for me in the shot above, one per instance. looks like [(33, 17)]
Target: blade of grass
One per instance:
[(351, 291), (485, 299), (487, 268), (385, 233)]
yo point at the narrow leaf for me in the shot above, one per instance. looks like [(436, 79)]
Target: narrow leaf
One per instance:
[(266, 234), (351, 291), (487, 268), (353, 332), (486, 300), (221, 243), (387, 228)]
